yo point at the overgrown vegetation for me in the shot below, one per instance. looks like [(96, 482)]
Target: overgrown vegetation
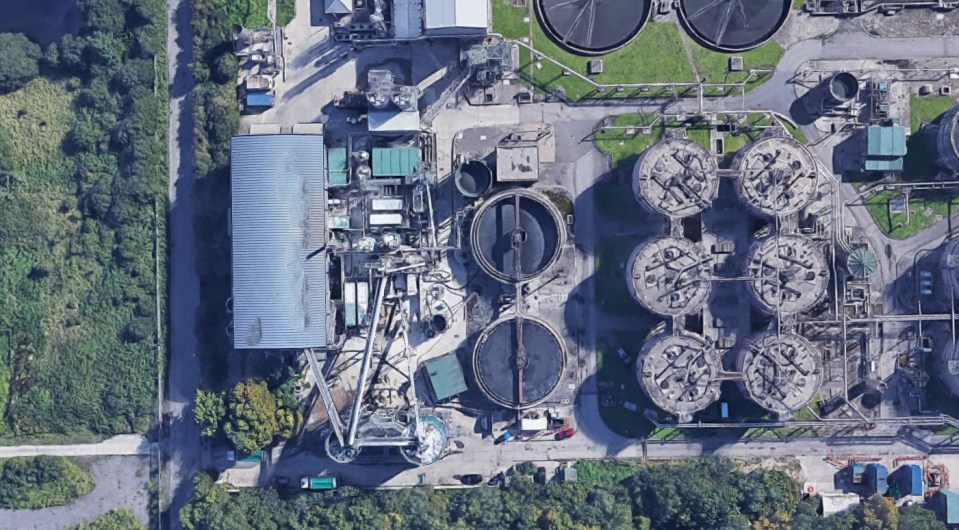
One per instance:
[(21, 61), (253, 13), (250, 415), (216, 119), (697, 494), (632, 64), (82, 177), (112, 520), (30, 483)]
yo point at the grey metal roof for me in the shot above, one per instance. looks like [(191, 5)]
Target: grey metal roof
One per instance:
[(280, 292)]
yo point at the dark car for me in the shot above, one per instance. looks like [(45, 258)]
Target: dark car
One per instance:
[(540, 476), (472, 479)]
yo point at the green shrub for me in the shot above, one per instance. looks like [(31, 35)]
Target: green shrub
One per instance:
[(112, 520), (41, 482)]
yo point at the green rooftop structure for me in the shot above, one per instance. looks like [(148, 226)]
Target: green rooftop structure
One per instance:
[(336, 162), (861, 263), (446, 376), (885, 148), (395, 161)]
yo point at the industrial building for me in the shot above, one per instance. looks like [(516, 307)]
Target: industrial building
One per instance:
[(669, 276), (278, 218), (680, 373), (388, 21), (676, 177), (885, 148), (778, 176)]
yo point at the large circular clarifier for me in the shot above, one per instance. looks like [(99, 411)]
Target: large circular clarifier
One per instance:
[(679, 373), (788, 274), (733, 25), (669, 276), (777, 176), (518, 362), (781, 371), (517, 235), (948, 140), (593, 27), (676, 178)]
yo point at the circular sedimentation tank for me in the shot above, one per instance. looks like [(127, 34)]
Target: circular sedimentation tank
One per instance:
[(777, 176), (948, 141), (517, 235), (473, 179), (519, 362), (593, 27), (733, 25), (787, 274), (669, 276), (679, 373), (676, 177), (781, 371), (949, 263), (843, 87)]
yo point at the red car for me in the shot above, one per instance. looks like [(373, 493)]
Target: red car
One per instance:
[(563, 434)]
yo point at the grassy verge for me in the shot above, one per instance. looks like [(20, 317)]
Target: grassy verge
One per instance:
[(632, 64), (611, 256), (605, 472), (619, 383), (30, 483), (926, 208), (925, 109)]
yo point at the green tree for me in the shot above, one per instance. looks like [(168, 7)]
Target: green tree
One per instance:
[(251, 416), (915, 517), (879, 513), (209, 411), (41, 481), (113, 520), (21, 61)]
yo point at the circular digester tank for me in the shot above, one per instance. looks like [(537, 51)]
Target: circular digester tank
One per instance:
[(733, 25), (777, 176), (676, 177), (669, 276), (948, 141), (517, 235), (593, 27), (518, 362), (781, 371), (843, 87), (431, 437), (787, 274), (473, 179), (679, 373)]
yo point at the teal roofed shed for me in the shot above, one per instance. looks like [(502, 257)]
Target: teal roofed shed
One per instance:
[(885, 148), (446, 376), (946, 506)]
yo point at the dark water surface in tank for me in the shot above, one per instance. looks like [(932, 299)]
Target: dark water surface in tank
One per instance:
[(44, 21)]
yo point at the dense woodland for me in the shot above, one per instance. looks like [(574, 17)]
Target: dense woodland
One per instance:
[(698, 494), (83, 177), (216, 120), (41, 481)]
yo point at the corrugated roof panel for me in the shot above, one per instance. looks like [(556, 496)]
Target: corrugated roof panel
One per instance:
[(278, 212), (469, 14), (446, 376), (395, 161)]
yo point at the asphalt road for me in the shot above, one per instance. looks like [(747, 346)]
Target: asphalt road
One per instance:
[(183, 445)]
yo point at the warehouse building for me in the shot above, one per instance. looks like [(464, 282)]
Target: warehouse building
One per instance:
[(278, 229)]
